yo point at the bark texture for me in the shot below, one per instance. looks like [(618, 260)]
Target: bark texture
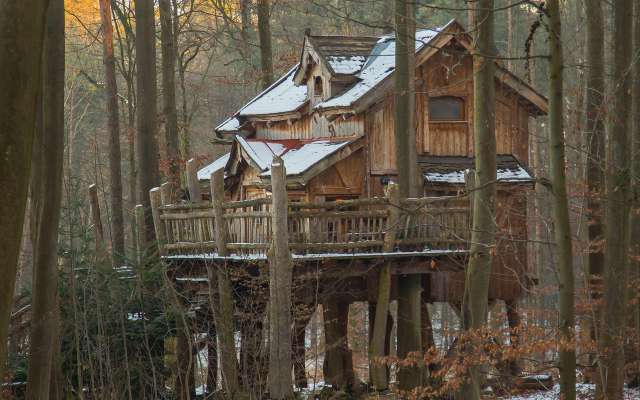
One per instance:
[(113, 123), (21, 45), (562, 227), (49, 166), (409, 286), (146, 141), (617, 207), (474, 303), (169, 110), (264, 34)]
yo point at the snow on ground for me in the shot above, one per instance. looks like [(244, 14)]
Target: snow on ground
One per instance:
[(584, 391)]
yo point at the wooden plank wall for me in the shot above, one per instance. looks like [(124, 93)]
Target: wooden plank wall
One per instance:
[(311, 127), (446, 74)]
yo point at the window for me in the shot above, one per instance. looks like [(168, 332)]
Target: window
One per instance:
[(446, 108), (317, 86)]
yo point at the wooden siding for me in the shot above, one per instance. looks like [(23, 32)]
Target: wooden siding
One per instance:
[(311, 127)]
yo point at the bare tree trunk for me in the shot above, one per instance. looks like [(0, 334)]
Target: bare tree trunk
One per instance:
[(594, 140), (21, 45), (409, 286), (169, 91), (617, 207), (113, 121), (474, 303), (264, 33), (562, 228), (49, 164), (635, 177), (146, 142)]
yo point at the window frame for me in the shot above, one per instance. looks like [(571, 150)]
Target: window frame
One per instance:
[(460, 99)]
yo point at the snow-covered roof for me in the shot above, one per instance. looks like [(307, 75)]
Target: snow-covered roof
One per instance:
[(450, 170), (346, 65), (380, 64), (261, 151), (281, 97), (231, 124), (205, 172), (300, 160)]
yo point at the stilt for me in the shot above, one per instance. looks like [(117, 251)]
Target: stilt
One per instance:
[(299, 349), (185, 379), (212, 359), (513, 318), (338, 366), (425, 317), (387, 336)]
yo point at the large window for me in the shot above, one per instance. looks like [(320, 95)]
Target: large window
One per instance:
[(446, 108)]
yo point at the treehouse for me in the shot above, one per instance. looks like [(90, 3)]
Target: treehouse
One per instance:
[(329, 122)]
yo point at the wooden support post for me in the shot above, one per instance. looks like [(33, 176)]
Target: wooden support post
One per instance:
[(156, 201), (212, 359), (185, 386), (192, 181), (338, 364), (379, 377), (223, 307), (280, 276), (141, 239), (217, 198), (299, 345), (387, 338), (470, 185)]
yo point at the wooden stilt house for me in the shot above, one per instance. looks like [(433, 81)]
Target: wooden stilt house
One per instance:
[(330, 119)]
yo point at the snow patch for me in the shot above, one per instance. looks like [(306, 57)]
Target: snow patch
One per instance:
[(507, 175), (205, 172), (261, 152), (297, 161), (347, 65), (281, 97)]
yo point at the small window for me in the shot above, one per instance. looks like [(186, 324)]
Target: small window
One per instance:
[(446, 108), (317, 86)]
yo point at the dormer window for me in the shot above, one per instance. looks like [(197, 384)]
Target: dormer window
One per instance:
[(317, 86), (446, 108)]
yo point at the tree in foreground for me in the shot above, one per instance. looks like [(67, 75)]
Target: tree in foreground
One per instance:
[(474, 302), (21, 42), (617, 208), (48, 197), (562, 227)]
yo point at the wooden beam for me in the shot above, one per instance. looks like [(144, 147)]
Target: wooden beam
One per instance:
[(280, 277), (192, 181), (156, 201)]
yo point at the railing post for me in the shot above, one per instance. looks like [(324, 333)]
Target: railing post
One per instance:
[(156, 202), (280, 276), (216, 181), (470, 186), (379, 376), (192, 181), (141, 237)]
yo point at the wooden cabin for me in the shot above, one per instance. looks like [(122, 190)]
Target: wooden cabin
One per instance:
[(330, 119)]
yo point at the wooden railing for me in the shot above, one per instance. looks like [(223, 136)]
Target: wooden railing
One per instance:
[(342, 227)]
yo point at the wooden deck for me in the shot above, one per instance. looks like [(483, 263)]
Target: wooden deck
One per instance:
[(362, 228)]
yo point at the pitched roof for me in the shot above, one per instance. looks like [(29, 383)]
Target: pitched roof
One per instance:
[(344, 54), (205, 172), (450, 169), (380, 64)]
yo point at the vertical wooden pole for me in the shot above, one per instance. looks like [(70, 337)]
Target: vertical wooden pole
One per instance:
[(192, 181), (156, 201), (141, 239), (377, 346), (212, 359), (280, 275), (217, 198), (470, 186), (223, 308)]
